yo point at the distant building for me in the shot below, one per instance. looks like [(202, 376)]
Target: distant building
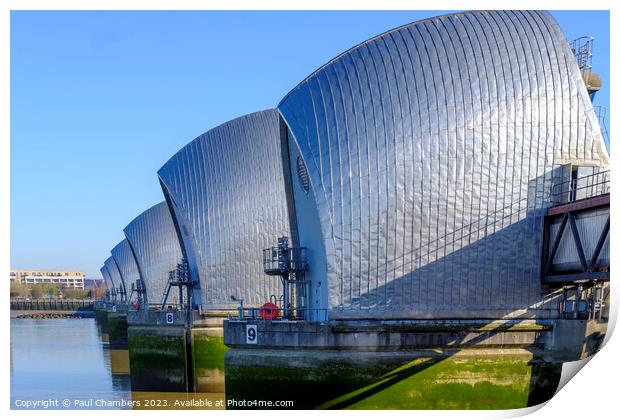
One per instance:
[(63, 278), (93, 283)]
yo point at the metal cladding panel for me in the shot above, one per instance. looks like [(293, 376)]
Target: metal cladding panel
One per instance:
[(115, 275), (123, 256), (154, 240), (107, 279), (226, 189), (430, 150)]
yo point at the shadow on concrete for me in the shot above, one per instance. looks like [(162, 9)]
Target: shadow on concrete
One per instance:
[(385, 382), (342, 379)]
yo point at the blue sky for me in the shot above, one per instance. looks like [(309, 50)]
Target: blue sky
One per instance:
[(100, 100)]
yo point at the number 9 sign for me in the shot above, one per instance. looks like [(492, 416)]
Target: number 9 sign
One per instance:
[(251, 334)]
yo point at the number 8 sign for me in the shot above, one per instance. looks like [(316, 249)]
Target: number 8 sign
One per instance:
[(251, 334)]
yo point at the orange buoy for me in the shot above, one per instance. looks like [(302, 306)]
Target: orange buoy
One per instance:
[(269, 311)]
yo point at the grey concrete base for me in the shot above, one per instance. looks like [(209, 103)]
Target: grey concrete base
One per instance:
[(168, 317), (168, 355), (151, 317), (576, 339), (364, 335), (557, 340)]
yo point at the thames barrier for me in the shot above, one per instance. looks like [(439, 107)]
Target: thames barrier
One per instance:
[(422, 222)]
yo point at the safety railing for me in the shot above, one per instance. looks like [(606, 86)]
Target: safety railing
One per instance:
[(168, 306), (272, 313), (582, 48), (580, 188), (294, 260), (601, 114)]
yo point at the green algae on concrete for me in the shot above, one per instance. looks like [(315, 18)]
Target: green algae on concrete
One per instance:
[(101, 317), (306, 377), (208, 351), (451, 383), (353, 380), (158, 358), (117, 327)]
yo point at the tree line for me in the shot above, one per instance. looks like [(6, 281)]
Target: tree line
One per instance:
[(54, 291)]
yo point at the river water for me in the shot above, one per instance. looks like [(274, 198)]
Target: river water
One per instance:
[(65, 364), (58, 360)]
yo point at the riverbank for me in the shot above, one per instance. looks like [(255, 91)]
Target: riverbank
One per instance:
[(52, 314)]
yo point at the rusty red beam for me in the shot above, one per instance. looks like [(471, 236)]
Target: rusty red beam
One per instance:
[(588, 203)]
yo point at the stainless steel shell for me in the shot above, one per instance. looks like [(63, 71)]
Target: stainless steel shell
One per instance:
[(226, 190), (126, 263), (431, 151), (116, 279), (155, 245), (108, 280)]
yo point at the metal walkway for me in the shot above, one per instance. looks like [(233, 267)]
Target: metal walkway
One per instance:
[(576, 232)]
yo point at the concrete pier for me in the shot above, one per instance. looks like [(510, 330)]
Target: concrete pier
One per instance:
[(459, 364), (101, 317), (559, 340), (166, 354), (117, 325), (351, 363), (112, 320), (405, 379), (207, 352), (158, 351)]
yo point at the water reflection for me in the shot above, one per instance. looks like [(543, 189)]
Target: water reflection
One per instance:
[(62, 359), (59, 360), (119, 362)]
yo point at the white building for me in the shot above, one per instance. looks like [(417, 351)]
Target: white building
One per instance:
[(63, 278)]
